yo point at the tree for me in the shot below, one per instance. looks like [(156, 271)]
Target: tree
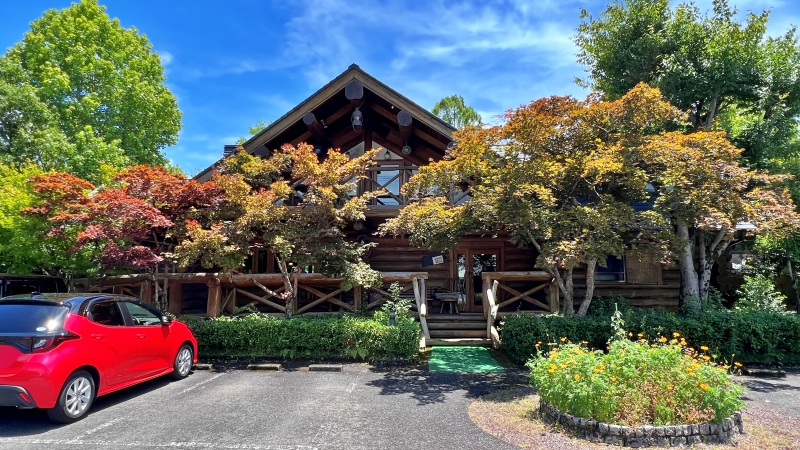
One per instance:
[(711, 65), (98, 79), (132, 223), (24, 247), (556, 176), (454, 111), (292, 204)]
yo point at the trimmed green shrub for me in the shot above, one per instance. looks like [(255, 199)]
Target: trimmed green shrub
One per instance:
[(758, 293), (753, 337), (347, 336)]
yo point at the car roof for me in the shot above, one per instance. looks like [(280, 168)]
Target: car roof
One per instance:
[(71, 299)]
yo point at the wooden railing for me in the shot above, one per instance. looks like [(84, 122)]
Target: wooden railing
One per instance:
[(494, 281), (227, 292)]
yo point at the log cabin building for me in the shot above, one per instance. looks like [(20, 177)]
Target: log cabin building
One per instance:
[(356, 111)]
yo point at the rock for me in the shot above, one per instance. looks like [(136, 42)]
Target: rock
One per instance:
[(637, 442), (695, 429), (602, 428), (648, 430), (669, 431), (661, 441), (659, 431), (678, 441), (612, 440), (614, 430), (691, 440), (704, 428)]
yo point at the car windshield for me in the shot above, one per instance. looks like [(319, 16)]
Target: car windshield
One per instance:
[(31, 318)]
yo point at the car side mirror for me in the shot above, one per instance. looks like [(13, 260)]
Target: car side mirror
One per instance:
[(165, 320)]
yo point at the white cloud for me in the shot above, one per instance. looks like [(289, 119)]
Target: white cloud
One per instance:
[(166, 58)]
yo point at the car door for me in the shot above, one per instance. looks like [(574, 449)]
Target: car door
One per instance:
[(113, 341), (152, 338)]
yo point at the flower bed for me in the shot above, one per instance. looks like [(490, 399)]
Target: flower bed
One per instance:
[(636, 383), (644, 436)]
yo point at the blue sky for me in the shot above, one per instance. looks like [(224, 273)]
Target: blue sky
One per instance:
[(233, 62)]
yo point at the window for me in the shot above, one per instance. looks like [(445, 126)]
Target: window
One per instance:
[(106, 313), (141, 315), (614, 270)]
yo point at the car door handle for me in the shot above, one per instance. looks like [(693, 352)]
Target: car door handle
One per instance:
[(98, 337), (141, 336)]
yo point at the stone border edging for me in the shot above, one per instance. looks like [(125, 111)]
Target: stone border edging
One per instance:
[(644, 436)]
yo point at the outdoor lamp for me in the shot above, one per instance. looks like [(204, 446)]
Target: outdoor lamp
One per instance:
[(406, 150), (357, 119)]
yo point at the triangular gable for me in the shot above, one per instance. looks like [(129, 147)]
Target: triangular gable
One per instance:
[(390, 120)]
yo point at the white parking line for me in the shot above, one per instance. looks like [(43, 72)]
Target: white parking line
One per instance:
[(197, 385), (137, 444)]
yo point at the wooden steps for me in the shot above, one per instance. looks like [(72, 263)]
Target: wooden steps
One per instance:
[(468, 342), (465, 329)]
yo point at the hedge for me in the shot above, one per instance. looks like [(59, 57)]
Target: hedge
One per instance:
[(347, 336), (755, 337)]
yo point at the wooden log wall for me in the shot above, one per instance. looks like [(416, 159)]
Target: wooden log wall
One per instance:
[(397, 255)]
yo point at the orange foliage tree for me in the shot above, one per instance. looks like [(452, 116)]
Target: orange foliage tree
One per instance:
[(561, 175), (293, 204)]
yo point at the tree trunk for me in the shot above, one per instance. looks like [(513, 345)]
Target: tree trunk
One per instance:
[(708, 256), (690, 288), (587, 299), (568, 287), (288, 292)]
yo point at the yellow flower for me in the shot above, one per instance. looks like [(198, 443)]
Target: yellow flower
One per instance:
[(613, 379), (585, 342), (551, 370), (640, 335), (673, 342), (630, 334), (706, 357), (596, 370), (563, 339), (676, 334), (553, 366), (669, 387), (577, 376), (703, 386), (654, 345), (663, 339), (704, 348), (602, 367), (737, 364)]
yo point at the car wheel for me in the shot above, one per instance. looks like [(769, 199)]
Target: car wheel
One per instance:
[(183, 362), (75, 398)]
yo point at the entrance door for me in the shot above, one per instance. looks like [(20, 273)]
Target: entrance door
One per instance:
[(470, 265)]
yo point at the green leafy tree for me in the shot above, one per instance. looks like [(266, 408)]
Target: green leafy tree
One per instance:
[(454, 111), (99, 80), (292, 204), (711, 65), (758, 294)]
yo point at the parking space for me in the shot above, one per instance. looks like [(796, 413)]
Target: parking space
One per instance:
[(359, 408)]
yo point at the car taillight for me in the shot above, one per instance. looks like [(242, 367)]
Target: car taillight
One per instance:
[(45, 344)]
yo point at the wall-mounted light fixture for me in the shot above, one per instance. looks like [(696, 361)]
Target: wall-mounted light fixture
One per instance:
[(357, 119), (387, 155), (406, 150)]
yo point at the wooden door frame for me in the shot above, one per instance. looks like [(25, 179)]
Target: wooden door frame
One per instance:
[(468, 249)]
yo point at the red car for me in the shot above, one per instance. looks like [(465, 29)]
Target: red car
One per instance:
[(61, 351)]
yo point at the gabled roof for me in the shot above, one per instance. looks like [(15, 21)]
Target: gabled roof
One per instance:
[(428, 135)]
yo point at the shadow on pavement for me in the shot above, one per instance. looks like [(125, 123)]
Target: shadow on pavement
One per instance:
[(433, 387)]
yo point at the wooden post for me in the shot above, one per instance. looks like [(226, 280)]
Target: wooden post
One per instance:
[(146, 291), (175, 298), (231, 306), (357, 293), (214, 298), (553, 297)]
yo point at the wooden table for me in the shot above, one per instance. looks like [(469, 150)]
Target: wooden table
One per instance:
[(451, 298)]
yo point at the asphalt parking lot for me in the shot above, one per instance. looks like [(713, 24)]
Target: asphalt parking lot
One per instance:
[(359, 408)]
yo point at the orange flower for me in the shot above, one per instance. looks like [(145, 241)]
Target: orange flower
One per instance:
[(706, 357), (704, 348), (703, 386), (663, 339), (577, 376)]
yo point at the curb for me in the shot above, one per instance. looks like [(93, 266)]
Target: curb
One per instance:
[(268, 366), (325, 368)]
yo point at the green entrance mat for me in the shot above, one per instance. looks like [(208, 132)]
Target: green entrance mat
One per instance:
[(462, 359)]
